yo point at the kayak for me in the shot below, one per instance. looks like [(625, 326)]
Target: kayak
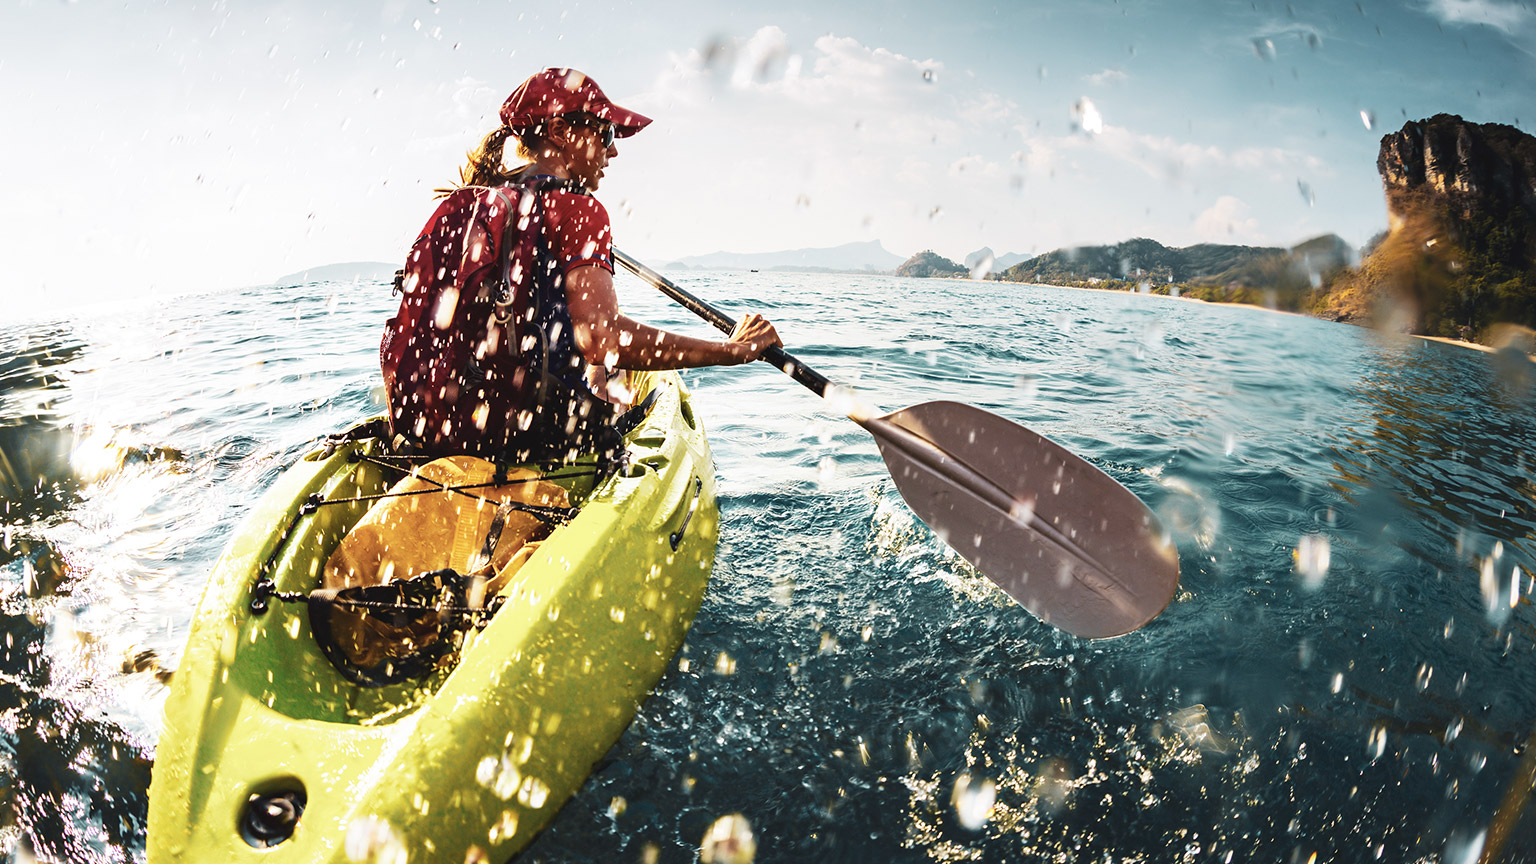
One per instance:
[(271, 752)]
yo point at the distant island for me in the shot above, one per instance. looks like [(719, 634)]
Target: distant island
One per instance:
[(353, 271), (928, 264), (1286, 278)]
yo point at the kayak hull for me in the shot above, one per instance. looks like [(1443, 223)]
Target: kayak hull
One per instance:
[(471, 762)]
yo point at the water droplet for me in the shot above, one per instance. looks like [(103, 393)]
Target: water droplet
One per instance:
[(616, 613), (826, 469), (1421, 680), (828, 643), (1305, 189), (983, 267), (973, 799), (271, 52), (617, 806), (867, 632), (533, 793), (928, 76), (1026, 385), (1377, 743), (499, 775), (1492, 586), (1453, 729), (1368, 118), (1312, 558), (728, 841), (1338, 682), (725, 664), (1086, 117), (293, 625), (505, 827), (372, 840), (1264, 49)]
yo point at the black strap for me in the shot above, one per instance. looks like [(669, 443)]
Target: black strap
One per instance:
[(438, 600), (630, 420)]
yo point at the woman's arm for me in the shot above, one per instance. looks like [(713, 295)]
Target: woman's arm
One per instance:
[(608, 337)]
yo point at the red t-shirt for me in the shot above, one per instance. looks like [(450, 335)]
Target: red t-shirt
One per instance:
[(578, 230)]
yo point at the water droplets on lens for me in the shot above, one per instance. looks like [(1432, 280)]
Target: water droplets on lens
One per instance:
[(973, 799), (729, 840), (1312, 558)]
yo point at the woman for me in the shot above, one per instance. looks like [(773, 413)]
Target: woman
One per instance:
[(565, 130)]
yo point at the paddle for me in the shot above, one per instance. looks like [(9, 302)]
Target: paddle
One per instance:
[(1060, 536)]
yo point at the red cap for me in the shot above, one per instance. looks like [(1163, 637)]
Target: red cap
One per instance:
[(560, 91)]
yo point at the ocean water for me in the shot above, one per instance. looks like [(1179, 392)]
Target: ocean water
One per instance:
[(1346, 673)]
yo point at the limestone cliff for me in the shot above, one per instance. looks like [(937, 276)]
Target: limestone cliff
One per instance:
[(1460, 253)]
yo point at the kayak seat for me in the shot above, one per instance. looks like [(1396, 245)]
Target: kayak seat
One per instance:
[(413, 574)]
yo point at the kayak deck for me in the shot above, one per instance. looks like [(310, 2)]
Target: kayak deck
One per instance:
[(478, 755)]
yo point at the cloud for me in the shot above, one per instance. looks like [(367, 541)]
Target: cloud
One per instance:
[(1227, 220), (1514, 19), (1177, 161), (1107, 76)]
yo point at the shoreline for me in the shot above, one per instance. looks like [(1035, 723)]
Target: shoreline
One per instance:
[(1445, 340)]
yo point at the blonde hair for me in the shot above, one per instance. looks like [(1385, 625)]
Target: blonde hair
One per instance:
[(484, 165)]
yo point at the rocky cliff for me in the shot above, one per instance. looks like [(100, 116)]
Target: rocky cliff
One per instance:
[(1471, 166), (1460, 253)]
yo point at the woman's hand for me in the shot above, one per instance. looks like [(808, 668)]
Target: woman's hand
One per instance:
[(753, 335)]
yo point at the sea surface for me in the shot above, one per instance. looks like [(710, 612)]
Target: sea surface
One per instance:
[(1346, 673)]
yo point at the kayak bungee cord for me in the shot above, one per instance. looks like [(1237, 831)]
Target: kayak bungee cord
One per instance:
[(265, 589)]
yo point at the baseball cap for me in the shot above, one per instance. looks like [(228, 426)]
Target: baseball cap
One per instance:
[(559, 90)]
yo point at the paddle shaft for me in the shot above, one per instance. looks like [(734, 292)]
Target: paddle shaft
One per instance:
[(814, 381)]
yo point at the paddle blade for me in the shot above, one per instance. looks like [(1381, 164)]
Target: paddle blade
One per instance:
[(1060, 536)]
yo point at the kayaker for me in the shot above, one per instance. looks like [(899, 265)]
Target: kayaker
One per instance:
[(564, 128)]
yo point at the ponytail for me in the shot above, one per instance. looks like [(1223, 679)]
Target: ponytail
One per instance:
[(483, 167)]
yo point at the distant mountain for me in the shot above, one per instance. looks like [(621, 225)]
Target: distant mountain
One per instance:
[(927, 263), (1003, 262), (354, 271), (855, 257)]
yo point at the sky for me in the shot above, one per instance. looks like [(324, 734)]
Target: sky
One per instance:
[(156, 148)]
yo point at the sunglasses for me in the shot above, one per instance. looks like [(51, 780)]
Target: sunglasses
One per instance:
[(605, 129)]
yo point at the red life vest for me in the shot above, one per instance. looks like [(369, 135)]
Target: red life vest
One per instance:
[(480, 357)]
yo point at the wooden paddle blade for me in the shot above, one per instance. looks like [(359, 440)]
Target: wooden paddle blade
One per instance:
[(1060, 536)]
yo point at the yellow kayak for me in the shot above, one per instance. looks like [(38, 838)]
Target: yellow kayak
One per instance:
[(272, 753)]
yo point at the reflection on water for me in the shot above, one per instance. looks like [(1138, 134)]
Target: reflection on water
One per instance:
[(1345, 672)]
